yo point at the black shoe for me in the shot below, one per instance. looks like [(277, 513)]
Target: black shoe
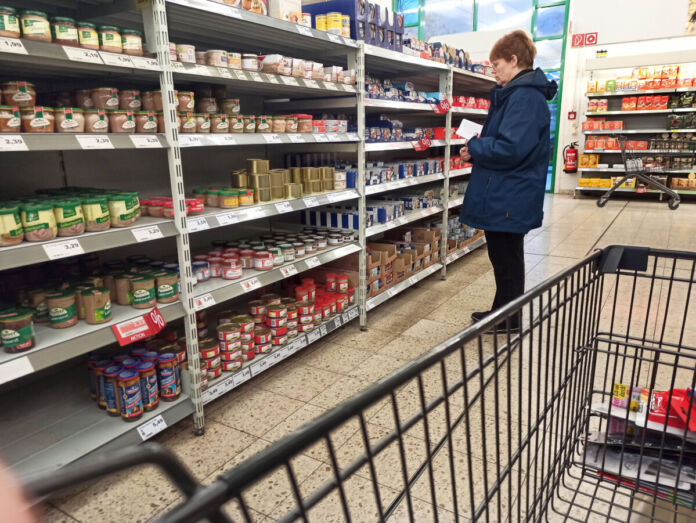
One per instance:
[(478, 316), (511, 325)]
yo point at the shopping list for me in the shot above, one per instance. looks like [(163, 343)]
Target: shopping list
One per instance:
[(468, 129)]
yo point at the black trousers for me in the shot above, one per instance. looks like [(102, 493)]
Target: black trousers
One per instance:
[(506, 252)]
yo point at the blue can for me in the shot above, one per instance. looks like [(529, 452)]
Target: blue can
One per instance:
[(130, 395), (169, 377), (148, 384), (113, 403)]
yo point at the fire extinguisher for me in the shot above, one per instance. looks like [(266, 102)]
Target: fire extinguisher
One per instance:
[(570, 158)]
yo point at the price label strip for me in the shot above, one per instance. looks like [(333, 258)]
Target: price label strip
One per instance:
[(190, 141), (334, 38), (152, 427), (16, 368), (283, 207), (289, 80), (145, 141), (272, 138), (311, 83), (12, 45), (331, 86), (313, 336), (288, 270), (119, 60), (203, 301), (272, 78), (310, 201), (12, 142), (77, 54), (242, 377), (312, 262), (259, 366), (251, 284), (140, 62), (63, 249), (256, 77), (297, 138), (321, 138), (228, 218), (304, 30), (224, 72), (145, 234), (197, 224), (97, 141)]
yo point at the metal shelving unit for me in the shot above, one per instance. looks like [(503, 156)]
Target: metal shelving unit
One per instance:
[(211, 140), (409, 217), (641, 131), (403, 182)]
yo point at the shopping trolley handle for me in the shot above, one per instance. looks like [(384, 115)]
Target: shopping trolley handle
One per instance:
[(630, 258)]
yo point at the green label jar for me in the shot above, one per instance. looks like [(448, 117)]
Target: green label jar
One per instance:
[(16, 330), (69, 217), (64, 31), (11, 231), (88, 36), (96, 213), (9, 23)]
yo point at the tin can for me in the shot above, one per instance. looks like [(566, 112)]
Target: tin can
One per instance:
[(334, 23), (257, 307), (304, 308), (292, 324), (226, 317), (245, 322), (271, 299), (306, 319), (231, 355), (320, 22), (293, 332), (318, 317), (214, 373), (208, 348), (306, 327), (276, 322), (248, 346), (292, 312), (301, 294), (259, 320), (262, 335), (235, 364), (279, 331), (130, 395), (277, 311), (280, 340), (249, 355), (263, 349), (246, 337), (229, 331), (211, 363)]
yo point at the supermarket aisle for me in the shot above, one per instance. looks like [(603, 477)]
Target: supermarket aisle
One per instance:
[(305, 386)]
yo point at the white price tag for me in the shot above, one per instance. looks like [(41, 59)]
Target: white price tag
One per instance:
[(256, 77), (12, 142), (272, 138), (312, 262), (391, 292), (297, 138), (311, 83), (211, 393), (337, 322), (251, 284), (334, 38), (313, 336), (203, 70), (190, 140), (78, 54), (178, 67), (197, 224), (289, 80), (334, 137), (272, 78), (323, 330), (145, 234), (299, 344), (413, 280), (12, 45), (403, 220), (331, 85), (259, 366), (97, 141), (145, 141), (203, 301), (283, 353), (241, 377), (140, 62), (283, 207), (288, 270), (310, 201), (152, 427), (16, 368), (335, 196), (119, 60), (353, 137), (228, 218), (353, 313), (304, 30), (224, 72), (241, 75), (320, 138), (63, 249), (221, 139), (255, 213)]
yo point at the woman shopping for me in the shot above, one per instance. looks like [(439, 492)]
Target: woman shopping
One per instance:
[(505, 195)]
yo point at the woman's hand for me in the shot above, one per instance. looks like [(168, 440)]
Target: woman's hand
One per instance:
[(464, 153)]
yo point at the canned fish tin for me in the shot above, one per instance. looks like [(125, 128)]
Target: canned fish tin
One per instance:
[(306, 327), (214, 373), (245, 322), (259, 320), (279, 331), (249, 355), (277, 311), (293, 332), (262, 335), (211, 363), (247, 337), (229, 331), (305, 307), (292, 324), (292, 312), (274, 323), (263, 349), (228, 366), (280, 340), (271, 299), (231, 355), (318, 317), (288, 301), (208, 348), (226, 317), (257, 307), (306, 319), (248, 346)]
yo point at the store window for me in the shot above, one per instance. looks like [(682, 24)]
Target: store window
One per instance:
[(409, 8), (549, 53), (448, 17), (500, 14), (549, 21)]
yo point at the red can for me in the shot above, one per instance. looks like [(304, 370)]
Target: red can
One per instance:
[(259, 320), (276, 322), (257, 308), (306, 319), (306, 327), (227, 346), (211, 363), (208, 351), (351, 296), (318, 317), (304, 308), (292, 312), (292, 324), (341, 302), (248, 346), (280, 340), (230, 355), (293, 332), (331, 282), (279, 331), (262, 335), (276, 311), (301, 294), (326, 310), (246, 356), (247, 337), (232, 364), (214, 373), (263, 261), (263, 349)]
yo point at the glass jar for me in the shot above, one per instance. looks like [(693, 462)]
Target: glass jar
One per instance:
[(132, 42), (212, 198), (83, 98), (278, 124), (105, 98), (35, 26), (145, 122), (123, 209), (250, 62), (263, 124), (148, 101), (186, 101), (69, 217), (250, 124), (110, 39), (38, 222), (11, 231), (228, 199), (64, 31), (219, 123), (231, 106), (202, 123), (9, 22), (122, 121), (10, 121), (290, 124), (237, 122), (246, 197), (70, 120), (19, 93), (96, 213), (37, 119), (129, 100), (88, 35), (96, 121), (207, 105), (216, 58), (187, 123), (304, 123)]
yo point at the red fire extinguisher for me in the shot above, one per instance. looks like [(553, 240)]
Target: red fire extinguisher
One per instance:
[(570, 158)]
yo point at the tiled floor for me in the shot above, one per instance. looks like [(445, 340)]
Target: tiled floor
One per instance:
[(323, 375)]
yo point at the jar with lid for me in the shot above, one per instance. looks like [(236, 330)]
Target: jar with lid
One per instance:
[(11, 231), (202, 122), (19, 93), (83, 97), (263, 124), (122, 121), (123, 208), (342, 283), (130, 395), (290, 124), (111, 398), (96, 213), (149, 387), (17, 328), (299, 249), (96, 121), (9, 22), (70, 120), (278, 257), (228, 199), (310, 247), (216, 58), (230, 106), (64, 31), (187, 123), (145, 122), (237, 122), (169, 376), (62, 309), (143, 292), (69, 217), (321, 242), (263, 261), (110, 39), (167, 286), (250, 124), (250, 62), (335, 239), (132, 42), (88, 35), (186, 101), (37, 119), (247, 258), (157, 99), (201, 270), (278, 124), (148, 100), (207, 105), (35, 26), (38, 222), (212, 198), (10, 120), (288, 252), (105, 98), (219, 123), (129, 100), (231, 269), (304, 123), (246, 197), (200, 57)]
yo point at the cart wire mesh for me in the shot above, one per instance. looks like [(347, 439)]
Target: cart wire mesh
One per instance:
[(506, 427)]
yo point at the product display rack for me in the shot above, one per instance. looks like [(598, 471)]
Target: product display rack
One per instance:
[(73, 426)]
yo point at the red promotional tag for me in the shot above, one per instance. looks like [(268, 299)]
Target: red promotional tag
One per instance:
[(422, 144), (138, 328), (442, 107)]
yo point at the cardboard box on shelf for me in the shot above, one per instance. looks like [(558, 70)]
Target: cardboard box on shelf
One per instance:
[(421, 234), (288, 10), (451, 246), (422, 248)]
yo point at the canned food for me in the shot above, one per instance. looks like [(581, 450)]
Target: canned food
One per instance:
[(231, 269), (232, 364), (214, 373), (226, 317), (293, 332), (277, 311), (292, 312), (246, 337), (279, 331), (249, 355), (229, 331), (301, 294), (262, 335), (211, 363), (280, 340), (231, 355), (318, 316), (208, 348), (271, 299), (292, 324), (228, 346), (248, 346), (276, 322), (306, 319), (263, 349), (304, 307), (259, 320), (257, 307), (245, 322), (306, 327)]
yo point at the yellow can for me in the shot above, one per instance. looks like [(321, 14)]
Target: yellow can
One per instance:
[(334, 23), (320, 22), (345, 26)]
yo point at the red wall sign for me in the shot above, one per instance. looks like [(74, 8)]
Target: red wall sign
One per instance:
[(590, 38), (578, 40), (583, 39)]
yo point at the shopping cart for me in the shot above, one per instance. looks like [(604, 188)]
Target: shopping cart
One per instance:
[(507, 427), (634, 168)]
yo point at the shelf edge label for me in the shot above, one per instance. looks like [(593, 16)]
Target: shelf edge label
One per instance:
[(139, 328), (152, 427)]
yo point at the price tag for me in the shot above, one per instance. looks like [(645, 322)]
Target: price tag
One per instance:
[(283, 207), (272, 79), (323, 330), (119, 60), (299, 344), (353, 313), (335, 196), (320, 138), (12, 142), (145, 141), (289, 80), (413, 280), (63, 249), (224, 72), (256, 77), (145, 234), (203, 70), (189, 140), (241, 377), (211, 393), (310, 201), (241, 75), (140, 62), (12, 45), (96, 141), (16, 368), (348, 88), (304, 30), (313, 336), (288, 270), (334, 137), (312, 262), (203, 301), (337, 322), (402, 221), (139, 328), (78, 54), (255, 213), (259, 366), (331, 86), (311, 83), (152, 427), (391, 292), (334, 38), (272, 138), (197, 224), (228, 218), (283, 353), (178, 67), (297, 138), (251, 284)]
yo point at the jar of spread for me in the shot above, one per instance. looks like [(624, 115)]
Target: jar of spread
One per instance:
[(148, 384), (263, 124), (143, 291), (129, 100), (96, 121), (263, 261), (9, 22), (250, 124), (278, 257), (216, 58), (148, 100), (234, 60), (105, 98), (246, 197), (229, 199), (187, 123), (230, 106), (62, 309), (69, 217), (186, 101), (278, 124), (250, 62), (201, 270), (10, 119), (237, 124), (291, 124), (220, 123), (304, 123), (145, 122), (64, 31), (215, 266), (157, 100), (186, 53), (97, 305), (35, 26), (111, 397), (123, 209), (299, 249), (11, 231), (110, 39), (212, 198), (342, 283), (231, 269), (19, 93), (247, 258), (167, 287), (288, 252), (88, 35), (122, 121), (169, 377), (38, 222), (17, 330), (83, 98), (132, 42), (69, 120), (37, 119), (130, 395), (207, 105), (202, 122)]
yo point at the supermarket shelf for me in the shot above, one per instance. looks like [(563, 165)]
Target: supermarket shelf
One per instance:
[(404, 182), (394, 146), (641, 92), (455, 201), (660, 111), (54, 346), (80, 141), (459, 172), (636, 151), (602, 189), (145, 229), (470, 112), (642, 131), (263, 362), (54, 422), (479, 242), (396, 105), (685, 55), (402, 286), (467, 83), (242, 139), (623, 170), (408, 217), (678, 191), (386, 61), (220, 218), (216, 290)]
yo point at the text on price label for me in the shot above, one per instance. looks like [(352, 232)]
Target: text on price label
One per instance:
[(334, 38), (203, 301), (139, 328), (152, 427), (259, 366), (12, 45), (272, 78), (256, 77), (272, 138), (330, 85), (228, 218), (202, 70), (283, 207), (313, 336), (297, 138), (145, 234), (119, 60), (77, 54), (255, 213), (145, 141), (224, 72), (251, 284), (310, 201), (319, 137), (241, 377), (140, 62), (12, 142), (311, 83), (190, 141), (312, 262), (288, 270), (97, 141), (303, 30), (336, 196), (289, 80), (63, 249), (197, 224)]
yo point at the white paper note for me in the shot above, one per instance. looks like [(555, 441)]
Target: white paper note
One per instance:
[(468, 129)]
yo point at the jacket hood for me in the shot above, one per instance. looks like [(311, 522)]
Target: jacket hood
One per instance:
[(536, 79)]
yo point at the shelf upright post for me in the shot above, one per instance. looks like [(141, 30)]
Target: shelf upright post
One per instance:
[(446, 82), (359, 65), (155, 24)]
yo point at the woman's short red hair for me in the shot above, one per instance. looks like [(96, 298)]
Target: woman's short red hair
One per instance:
[(516, 43)]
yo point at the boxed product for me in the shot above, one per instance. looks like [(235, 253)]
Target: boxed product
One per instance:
[(288, 10)]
